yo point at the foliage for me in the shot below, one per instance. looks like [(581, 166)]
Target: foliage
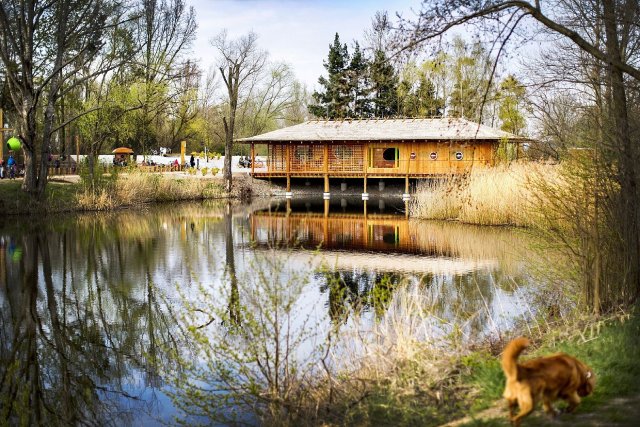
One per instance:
[(333, 102), (510, 97), (249, 347)]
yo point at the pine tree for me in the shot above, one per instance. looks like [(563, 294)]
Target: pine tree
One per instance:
[(359, 87), (384, 86), (333, 102)]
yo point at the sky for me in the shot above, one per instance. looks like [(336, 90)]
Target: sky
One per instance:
[(297, 32)]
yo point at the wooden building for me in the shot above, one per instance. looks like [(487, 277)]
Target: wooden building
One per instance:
[(380, 148)]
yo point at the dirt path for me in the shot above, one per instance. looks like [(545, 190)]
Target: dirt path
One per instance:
[(619, 412)]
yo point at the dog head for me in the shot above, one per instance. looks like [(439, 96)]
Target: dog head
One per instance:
[(588, 382)]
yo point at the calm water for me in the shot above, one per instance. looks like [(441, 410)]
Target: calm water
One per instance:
[(94, 308)]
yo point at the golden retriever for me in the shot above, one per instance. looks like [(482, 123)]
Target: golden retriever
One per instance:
[(545, 379)]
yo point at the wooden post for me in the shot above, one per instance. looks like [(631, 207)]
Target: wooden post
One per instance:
[(406, 184), (288, 166), (325, 164), (77, 152), (253, 158)]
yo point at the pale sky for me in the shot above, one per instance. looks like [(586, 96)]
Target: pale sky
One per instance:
[(297, 32)]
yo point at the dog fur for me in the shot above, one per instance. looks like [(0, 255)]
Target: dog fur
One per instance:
[(545, 379)]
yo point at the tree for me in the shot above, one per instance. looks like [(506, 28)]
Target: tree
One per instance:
[(510, 98), (358, 83), (606, 34), (162, 78), (471, 82), (43, 46), (384, 86), (240, 63), (333, 102)]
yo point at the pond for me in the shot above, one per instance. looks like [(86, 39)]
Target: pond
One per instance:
[(99, 311)]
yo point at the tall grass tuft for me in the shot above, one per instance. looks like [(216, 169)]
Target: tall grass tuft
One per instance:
[(137, 188), (495, 196)]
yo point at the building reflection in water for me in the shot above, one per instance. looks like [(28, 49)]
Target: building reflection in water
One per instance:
[(367, 249)]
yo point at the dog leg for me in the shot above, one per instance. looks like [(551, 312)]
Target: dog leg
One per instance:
[(548, 407), (512, 407), (526, 406), (574, 401)]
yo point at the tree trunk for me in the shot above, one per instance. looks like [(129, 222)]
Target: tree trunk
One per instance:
[(628, 199), (228, 152)]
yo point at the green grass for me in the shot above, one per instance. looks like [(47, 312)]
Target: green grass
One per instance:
[(59, 196), (614, 356)]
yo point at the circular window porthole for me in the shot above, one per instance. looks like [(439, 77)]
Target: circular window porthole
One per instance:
[(433, 155), (458, 155), (389, 154)]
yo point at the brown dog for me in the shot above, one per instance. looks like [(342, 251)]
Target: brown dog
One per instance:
[(559, 376)]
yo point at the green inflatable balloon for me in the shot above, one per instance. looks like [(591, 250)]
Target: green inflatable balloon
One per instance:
[(13, 143)]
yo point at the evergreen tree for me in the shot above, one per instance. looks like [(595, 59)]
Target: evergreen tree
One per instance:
[(333, 102), (384, 86), (359, 88)]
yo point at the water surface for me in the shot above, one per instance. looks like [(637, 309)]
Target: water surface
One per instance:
[(91, 304)]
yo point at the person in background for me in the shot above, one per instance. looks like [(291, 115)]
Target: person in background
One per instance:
[(1, 168), (11, 165), (192, 161)]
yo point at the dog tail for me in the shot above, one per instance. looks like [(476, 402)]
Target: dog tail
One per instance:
[(510, 356)]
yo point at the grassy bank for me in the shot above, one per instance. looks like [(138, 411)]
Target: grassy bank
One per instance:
[(497, 196), (610, 347), (123, 190), (135, 188), (425, 389)]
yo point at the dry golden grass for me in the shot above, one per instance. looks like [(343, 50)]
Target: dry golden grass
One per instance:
[(137, 188), (497, 196)]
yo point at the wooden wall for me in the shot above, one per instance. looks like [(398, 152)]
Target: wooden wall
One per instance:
[(411, 158)]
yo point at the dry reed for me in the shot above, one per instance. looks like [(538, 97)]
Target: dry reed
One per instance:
[(495, 196), (136, 188)]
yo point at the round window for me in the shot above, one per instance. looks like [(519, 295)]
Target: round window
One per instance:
[(389, 154), (433, 155), (458, 155)]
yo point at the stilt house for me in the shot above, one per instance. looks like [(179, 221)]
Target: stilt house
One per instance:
[(379, 148)]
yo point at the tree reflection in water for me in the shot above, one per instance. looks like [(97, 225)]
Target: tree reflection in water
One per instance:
[(73, 339)]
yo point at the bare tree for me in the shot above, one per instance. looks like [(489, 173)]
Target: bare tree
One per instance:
[(607, 32), (240, 63), (43, 46)]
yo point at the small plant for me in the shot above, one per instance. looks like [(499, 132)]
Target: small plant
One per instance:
[(204, 171), (214, 171)]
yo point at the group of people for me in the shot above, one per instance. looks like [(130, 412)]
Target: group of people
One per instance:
[(8, 168)]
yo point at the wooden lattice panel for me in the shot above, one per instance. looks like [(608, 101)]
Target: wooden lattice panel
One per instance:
[(346, 158), (307, 158), (277, 158)]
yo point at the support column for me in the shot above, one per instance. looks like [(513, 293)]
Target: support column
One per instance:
[(288, 194), (406, 196), (325, 163), (365, 195), (253, 158), (327, 191)]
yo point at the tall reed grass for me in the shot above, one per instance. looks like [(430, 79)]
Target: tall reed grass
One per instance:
[(497, 196), (136, 188)]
